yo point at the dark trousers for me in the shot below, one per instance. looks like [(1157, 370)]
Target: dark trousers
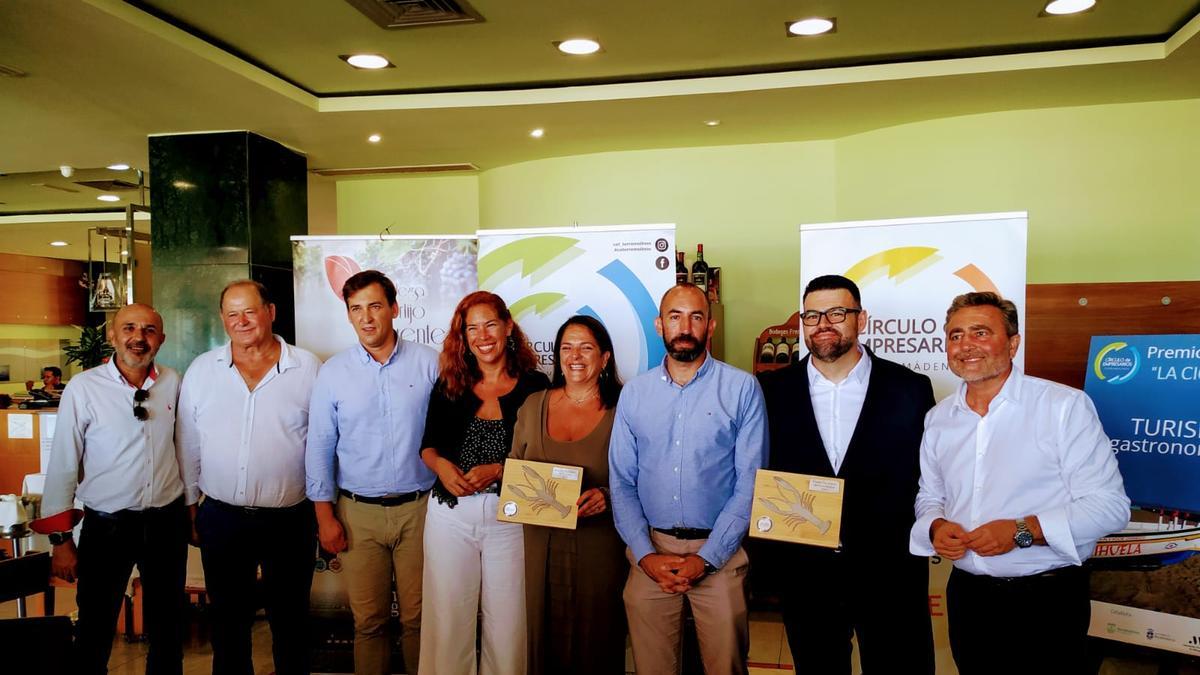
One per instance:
[(234, 543), (884, 601), (110, 545), (1034, 624)]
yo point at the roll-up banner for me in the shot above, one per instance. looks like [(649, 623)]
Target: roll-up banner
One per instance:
[(616, 274), (909, 269), (1145, 588), (431, 273)]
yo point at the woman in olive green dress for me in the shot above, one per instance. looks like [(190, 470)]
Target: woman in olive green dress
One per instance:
[(574, 578)]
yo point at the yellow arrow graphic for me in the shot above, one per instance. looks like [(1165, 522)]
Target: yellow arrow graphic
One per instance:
[(896, 261)]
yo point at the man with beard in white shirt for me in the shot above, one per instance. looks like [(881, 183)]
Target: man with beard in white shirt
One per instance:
[(114, 449), (1018, 482)]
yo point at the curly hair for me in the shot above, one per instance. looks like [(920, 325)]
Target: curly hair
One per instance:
[(457, 367)]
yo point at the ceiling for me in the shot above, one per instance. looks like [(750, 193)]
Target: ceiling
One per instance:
[(102, 75)]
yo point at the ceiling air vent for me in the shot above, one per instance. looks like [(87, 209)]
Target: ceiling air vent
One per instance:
[(108, 185), (414, 13)]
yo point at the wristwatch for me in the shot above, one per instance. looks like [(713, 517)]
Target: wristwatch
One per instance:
[(1023, 538), (708, 568), (59, 538)]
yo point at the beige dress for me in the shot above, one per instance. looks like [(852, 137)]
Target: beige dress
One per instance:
[(573, 578)]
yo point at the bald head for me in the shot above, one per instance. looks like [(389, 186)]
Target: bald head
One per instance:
[(683, 295), (136, 333)]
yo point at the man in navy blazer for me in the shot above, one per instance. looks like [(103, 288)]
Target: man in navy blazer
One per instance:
[(845, 412)]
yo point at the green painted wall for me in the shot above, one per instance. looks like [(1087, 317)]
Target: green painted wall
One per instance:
[(1109, 189), (744, 203), (408, 205)]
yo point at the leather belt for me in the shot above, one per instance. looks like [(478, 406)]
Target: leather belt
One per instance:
[(1068, 572), (395, 500), (688, 533)]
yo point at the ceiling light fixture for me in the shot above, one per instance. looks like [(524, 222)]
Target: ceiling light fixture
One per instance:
[(124, 252), (58, 243), (1061, 7), (109, 198), (578, 46), (374, 138), (367, 61), (118, 167), (537, 133), (712, 123), (810, 27)]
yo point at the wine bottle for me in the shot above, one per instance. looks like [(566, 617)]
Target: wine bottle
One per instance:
[(681, 270), (700, 269)]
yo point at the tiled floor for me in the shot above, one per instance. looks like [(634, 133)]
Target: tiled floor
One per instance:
[(769, 650)]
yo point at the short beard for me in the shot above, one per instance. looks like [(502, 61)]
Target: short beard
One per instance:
[(685, 355), (830, 352)]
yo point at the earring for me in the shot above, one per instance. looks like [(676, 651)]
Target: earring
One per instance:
[(512, 344)]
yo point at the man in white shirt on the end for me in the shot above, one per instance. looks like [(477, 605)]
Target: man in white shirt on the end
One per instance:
[(1018, 482), (114, 449), (243, 422)]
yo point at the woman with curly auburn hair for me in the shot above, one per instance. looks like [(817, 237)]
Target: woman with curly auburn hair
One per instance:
[(487, 369)]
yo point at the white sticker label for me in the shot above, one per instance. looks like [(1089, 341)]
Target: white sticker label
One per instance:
[(563, 473), (510, 509), (822, 485), (765, 524)]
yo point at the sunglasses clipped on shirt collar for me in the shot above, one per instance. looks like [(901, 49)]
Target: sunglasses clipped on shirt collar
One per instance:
[(139, 410)]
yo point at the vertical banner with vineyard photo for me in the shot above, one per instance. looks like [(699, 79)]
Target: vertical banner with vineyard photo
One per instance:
[(616, 274), (431, 273)]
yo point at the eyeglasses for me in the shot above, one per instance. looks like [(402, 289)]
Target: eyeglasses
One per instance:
[(834, 314), (139, 410)]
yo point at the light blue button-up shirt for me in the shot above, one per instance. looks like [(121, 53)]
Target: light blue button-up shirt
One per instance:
[(686, 456), (365, 423)]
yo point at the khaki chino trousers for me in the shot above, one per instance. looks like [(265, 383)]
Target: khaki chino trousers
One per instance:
[(718, 604)]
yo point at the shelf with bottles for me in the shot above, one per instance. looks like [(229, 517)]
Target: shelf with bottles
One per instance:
[(704, 276), (778, 346)]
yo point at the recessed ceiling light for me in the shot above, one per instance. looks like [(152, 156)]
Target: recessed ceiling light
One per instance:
[(118, 167), (367, 61), (813, 26), (1060, 7), (374, 138), (712, 123), (109, 198), (58, 243), (538, 132), (578, 46)]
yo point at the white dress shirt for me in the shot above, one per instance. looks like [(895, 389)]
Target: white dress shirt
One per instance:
[(103, 454), (240, 446), (837, 406), (1040, 450)]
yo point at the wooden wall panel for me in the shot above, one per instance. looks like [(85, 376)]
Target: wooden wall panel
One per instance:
[(41, 291), (1058, 327)]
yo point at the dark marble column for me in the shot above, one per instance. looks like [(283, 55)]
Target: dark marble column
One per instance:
[(225, 205)]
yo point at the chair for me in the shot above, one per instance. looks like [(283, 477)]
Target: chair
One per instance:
[(27, 575)]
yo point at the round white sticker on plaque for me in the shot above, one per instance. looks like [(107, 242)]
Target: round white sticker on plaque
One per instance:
[(510, 509), (765, 524)]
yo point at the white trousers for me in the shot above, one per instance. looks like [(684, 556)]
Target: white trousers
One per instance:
[(472, 560)]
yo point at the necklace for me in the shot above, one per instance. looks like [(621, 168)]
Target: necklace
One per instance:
[(580, 401)]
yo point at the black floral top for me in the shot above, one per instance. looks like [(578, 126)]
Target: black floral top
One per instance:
[(452, 428)]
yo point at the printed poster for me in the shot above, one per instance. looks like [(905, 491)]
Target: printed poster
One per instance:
[(1146, 578), (431, 273), (909, 269), (615, 274)]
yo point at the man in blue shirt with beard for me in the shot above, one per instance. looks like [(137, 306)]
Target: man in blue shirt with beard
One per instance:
[(686, 443)]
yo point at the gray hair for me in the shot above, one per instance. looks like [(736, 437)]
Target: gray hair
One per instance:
[(1008, 310)]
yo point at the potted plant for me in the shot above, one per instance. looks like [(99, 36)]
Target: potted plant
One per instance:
[(92, 348)]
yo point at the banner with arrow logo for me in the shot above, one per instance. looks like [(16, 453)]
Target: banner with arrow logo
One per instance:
[(616, 274), (909, 270)]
